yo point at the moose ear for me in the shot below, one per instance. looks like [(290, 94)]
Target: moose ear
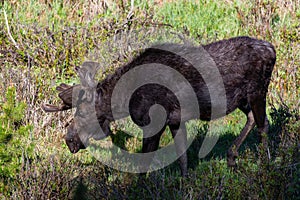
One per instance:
[(81, 95), (87, 73), (85, 96)]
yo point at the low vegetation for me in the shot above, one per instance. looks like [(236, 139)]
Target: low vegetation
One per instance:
[(42, 41)]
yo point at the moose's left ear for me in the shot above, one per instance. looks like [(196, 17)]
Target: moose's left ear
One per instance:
[(87, 73)]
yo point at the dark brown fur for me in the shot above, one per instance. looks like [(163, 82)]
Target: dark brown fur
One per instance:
[(245, 65)]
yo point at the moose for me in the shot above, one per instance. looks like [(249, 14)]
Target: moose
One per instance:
[(244, 63)]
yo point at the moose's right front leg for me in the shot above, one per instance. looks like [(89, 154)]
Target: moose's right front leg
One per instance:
[(180, 140), (150, 144)]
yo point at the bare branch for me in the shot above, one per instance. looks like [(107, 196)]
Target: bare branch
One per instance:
[(8, 30)]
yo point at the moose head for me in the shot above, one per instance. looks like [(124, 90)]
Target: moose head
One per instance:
[(87, 123)]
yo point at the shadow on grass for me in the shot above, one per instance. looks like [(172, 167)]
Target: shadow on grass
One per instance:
[(224, 142), (126, 185), (219, 151), (278, 119)]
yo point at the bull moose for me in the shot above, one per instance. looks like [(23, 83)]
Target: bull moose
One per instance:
[(245, 65)]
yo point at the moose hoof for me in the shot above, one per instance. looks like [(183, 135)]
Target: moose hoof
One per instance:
[(231, 156)]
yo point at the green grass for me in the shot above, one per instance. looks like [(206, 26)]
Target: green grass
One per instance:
[(54, 37), (204, 19)]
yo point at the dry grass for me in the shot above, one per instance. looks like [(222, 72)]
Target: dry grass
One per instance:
[(54, 36)]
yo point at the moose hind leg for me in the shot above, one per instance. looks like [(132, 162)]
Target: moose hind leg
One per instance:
[(232, 152), (180, 140), (258, 106)]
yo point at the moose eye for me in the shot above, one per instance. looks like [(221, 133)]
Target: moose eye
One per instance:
[(71, 140)]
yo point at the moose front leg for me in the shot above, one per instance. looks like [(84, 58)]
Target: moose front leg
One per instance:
[(150, 144), (180, 140)]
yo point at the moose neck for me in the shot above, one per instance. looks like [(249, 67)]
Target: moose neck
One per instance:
[(107, 86)]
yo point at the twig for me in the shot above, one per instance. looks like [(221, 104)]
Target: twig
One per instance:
[(8, 30), (131, 5)]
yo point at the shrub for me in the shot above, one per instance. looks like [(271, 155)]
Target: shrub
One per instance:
[(13, 137)]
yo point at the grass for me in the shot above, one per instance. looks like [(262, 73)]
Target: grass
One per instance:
[(55, 36), (202, 20)]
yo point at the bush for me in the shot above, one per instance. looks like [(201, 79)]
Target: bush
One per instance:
[(14, 137)]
